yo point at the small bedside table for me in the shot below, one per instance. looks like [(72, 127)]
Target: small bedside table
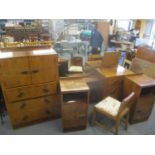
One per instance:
[(74, 103)]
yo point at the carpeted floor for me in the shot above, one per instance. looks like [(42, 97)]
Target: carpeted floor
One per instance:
[(55, 128)]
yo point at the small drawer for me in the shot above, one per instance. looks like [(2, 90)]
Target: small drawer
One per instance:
[(38, 103), (46, 89), (20, 93), (28, 92), (34, 109)]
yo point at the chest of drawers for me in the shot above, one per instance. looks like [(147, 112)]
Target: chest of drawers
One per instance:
[(30, 85), (113, 81)]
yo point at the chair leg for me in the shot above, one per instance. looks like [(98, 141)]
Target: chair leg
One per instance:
[(94, 117), (126, 122), (117, 126), (2, 121)]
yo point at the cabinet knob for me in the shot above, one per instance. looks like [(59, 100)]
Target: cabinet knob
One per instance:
[(20, 94), (24, 72), (45, 90), (25, 117), (82, 116), (23, 105), (47, 112), (46, 100), (35, 71)]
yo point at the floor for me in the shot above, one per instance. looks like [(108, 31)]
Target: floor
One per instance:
[(55, 128)]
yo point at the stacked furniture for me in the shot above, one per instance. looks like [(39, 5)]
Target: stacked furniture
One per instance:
[(30, 85)]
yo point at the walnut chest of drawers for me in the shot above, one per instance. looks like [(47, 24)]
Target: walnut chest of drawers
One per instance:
[(29, 82)]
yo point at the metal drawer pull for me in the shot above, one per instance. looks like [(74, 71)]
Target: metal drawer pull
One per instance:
[(46, 100), (24, 72), (35, 71), (23, 105), (45, 90), (25, 117), (48, 112), (20, 94), (82, 116)]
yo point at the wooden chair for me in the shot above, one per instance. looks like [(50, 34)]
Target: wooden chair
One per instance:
[(115, 110)]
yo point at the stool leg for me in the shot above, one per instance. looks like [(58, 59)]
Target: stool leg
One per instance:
[(94, 117)]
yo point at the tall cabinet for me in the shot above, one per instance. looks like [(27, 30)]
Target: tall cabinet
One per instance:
[(29, 82), (144, 87)]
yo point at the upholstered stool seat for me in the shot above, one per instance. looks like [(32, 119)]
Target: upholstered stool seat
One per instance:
[(76, 69), (109, 105)]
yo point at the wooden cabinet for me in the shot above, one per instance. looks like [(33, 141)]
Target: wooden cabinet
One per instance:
[(144, 62), (113, 80), (74, 103), (144, 87), (30, 85)]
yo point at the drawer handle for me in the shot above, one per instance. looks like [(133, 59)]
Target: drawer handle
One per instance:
[(35, 71), (23, 105), (25, 117), (24, 72), (47, 112), (82, 116), (46, 100), (45, 90), (20, 94)]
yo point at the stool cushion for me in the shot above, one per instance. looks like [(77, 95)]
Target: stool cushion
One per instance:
[(109, 105), (76, 69)]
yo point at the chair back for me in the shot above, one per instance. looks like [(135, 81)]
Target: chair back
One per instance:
[(127, 102), (76, 61)]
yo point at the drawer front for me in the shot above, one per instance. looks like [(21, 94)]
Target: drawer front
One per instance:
[(42, 102), (30, 110), (74, 115), (27, 92), (46, 89)]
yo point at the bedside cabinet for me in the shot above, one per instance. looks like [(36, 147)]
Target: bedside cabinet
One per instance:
[(144, 87), (74, 103)]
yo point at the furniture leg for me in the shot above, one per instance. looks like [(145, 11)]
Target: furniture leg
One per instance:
[(94, 117)]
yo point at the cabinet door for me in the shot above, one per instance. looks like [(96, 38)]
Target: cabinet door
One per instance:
[(143, 108), (74, 114), (44, 68), (15, 72)]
